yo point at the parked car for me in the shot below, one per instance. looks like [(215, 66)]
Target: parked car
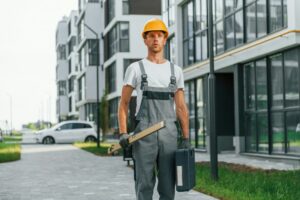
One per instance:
[(67, 132)]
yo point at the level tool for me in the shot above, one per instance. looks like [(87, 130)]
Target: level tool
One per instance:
[(138, 136)]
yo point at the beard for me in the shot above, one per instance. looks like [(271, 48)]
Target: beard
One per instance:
[(155, 49)]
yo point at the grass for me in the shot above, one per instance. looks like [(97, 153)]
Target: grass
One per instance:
[(92, 148), (238, 182), (9, 152), (12, 138)]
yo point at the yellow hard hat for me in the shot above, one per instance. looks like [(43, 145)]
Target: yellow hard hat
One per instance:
[(155, 24)]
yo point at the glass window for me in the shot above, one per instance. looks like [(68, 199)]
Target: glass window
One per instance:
[(251, 144), (278, 133), (125, 7), (262, 132), (261, 18), (198, 15), (277, 80), (276, 15), (204, 45), (203, 14), (220, 37), (124, 37), (110, 78), (261, 84), (113, 113), (126, 63), (219, 9), (77, 126), (250, 86), (229, 27), (229, 6), (291, 73), (239, 28), (285, 21), (251, 22), (93, 52), (201, 132), (293, 132), (110, 11), (66, 126)]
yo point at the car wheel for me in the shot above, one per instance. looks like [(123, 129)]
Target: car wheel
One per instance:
[(90, 139), (48, 140)]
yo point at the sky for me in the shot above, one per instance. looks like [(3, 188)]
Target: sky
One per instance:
[(28, 59)]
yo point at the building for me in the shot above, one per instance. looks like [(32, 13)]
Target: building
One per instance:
[(62, 103), (89, 28), (256, 45), (72, 65), (123, 44)]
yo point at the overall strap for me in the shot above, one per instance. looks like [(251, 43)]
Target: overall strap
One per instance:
[(172, 84), (144, 82)]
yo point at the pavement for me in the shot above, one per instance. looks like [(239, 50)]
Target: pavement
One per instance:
[(63, 172)]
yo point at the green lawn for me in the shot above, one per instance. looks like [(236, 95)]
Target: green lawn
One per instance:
[(92, 147), (237, 182), (9, 152)]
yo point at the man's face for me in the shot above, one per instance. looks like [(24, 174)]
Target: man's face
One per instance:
[(155, 41)]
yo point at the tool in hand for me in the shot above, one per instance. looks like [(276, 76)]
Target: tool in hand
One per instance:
[(138, 136)]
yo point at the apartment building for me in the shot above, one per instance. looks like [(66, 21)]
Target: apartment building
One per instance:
[(123, 44), (89, 28), (256, 46), (62, 102), (72, 65)]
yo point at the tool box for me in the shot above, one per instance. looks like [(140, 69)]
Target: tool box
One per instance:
[(185, 169)]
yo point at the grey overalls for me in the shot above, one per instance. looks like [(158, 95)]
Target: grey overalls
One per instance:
[(158, 149)]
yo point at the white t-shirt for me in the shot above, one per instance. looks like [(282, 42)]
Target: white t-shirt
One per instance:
[(158, 75)]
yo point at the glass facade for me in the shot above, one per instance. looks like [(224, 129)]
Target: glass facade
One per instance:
[(113, 113), (117, 39), (109, 11), (110, 78), (168, 12), (195, 97), (170, 49), (236, 22), (272, 107)]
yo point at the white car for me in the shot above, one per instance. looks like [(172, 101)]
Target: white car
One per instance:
[(67, 132)]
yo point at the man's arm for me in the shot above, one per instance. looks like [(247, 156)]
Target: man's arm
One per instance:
[(123, 108), (182, 112)]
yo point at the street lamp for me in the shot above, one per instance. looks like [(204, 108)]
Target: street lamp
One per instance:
[(212, 98), (97, 88)]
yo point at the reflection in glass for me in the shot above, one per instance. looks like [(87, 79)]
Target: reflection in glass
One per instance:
[(219, 9), (229, 23), (229, 5), (220, 37), (251, 141), (251, 22), (204, 45), (203, 14), (201, 113), (261, 18), (261, 84), (275, 15), (277, 80), (249, 86), (262, 132), (293, 132), (291, 72), (239, 28), (278, 133), (192, 114)]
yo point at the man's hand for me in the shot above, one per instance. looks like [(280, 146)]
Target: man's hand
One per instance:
[(185, 143), (124, 140)]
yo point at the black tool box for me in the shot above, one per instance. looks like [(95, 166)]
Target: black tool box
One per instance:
[(185, 169)]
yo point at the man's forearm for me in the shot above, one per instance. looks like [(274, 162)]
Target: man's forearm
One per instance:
[(183, 116), (122, 115)]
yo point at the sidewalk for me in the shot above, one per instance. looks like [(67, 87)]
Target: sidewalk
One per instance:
[(63, 172)]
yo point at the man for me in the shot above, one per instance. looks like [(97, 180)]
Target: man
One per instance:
[(158, 84)]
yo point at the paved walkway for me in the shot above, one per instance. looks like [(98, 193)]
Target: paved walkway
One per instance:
[(63, 172)]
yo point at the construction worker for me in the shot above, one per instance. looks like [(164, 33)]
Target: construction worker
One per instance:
[(158, 83)]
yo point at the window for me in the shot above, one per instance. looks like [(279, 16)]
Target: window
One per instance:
[(92, 49), (117, 40), (168, 12), (126, 63), (90, 111), (71, 44), (62, 88), (110, 78), (66, 127), (170, 49), (71, 83), (70, 104), (81, 88), (61, 52), (80, 30), (276, 14), (125, 6), (113, 113), (195, 36), (80, 126), (201, 113), (109, 11), (272, 103), (70, 66)]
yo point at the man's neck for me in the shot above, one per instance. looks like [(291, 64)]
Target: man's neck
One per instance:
[(156, 58)]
